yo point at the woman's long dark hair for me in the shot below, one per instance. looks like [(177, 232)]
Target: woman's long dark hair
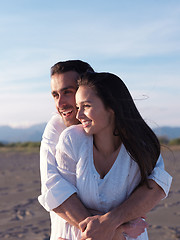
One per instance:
[(138, 138)]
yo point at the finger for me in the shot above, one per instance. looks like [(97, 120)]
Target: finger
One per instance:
[(143, 223), (146, 224), (83, 236), (83, 225)]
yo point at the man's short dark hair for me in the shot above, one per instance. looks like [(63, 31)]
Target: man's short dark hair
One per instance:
[(71, 65)]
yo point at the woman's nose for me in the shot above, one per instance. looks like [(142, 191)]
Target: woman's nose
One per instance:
[(79, 114)]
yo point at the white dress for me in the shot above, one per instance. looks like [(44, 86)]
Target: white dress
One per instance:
[(74, 155)]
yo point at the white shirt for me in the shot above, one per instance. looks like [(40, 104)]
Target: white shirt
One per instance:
[(55, 188), (51, 180), (74, 155)]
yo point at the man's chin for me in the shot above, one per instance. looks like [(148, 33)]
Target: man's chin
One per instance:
[(70, 122)]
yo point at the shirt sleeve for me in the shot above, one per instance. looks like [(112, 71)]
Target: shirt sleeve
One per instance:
[(160, 176), (53, 185), (66, 161)]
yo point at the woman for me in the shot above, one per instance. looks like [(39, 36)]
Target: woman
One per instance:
[(111, 152)]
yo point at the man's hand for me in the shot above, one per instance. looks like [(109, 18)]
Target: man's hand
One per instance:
[(94, 212), (119, 236), (97, 228), (133, 229)]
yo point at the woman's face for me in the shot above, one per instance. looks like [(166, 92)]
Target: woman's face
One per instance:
[(93, 115)]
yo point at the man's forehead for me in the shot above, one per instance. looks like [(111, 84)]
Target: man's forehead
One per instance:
[(64, 80), (67, 75)]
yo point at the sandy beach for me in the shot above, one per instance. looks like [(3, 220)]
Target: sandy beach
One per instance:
[(22, 217), (164, 219)]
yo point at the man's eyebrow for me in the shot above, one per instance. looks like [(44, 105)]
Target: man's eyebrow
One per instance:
[(53, 92), (68, 87), (64, 89)]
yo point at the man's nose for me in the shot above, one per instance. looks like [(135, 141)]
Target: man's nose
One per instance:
[(60, 101)]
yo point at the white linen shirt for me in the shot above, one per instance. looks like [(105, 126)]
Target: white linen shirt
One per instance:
[(51, 180), (74, 155)]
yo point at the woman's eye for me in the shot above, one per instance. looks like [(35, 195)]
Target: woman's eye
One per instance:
[(86, 106)]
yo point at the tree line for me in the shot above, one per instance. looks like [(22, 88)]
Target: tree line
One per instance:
[(21, 145), (163, 140)]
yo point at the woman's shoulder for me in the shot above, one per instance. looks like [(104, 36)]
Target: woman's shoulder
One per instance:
[(73, 139), (73, 133)]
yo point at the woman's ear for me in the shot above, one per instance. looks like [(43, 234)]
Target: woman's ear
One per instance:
[(111, 111), (111, 115)]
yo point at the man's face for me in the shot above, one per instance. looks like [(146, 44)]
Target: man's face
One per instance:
[(63, 88)]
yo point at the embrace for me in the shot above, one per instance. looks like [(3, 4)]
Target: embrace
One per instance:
[(101, 164)]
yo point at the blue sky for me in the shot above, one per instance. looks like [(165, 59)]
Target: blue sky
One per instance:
[(137, 40)]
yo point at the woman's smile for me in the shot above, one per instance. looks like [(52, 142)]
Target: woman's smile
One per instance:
[(86, 123)]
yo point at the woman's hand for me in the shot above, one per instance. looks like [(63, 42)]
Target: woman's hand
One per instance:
[(132, 229), (119, 235), (135, 227)]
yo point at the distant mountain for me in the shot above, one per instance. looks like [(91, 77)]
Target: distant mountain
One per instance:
[(34, 133), (169, 132)]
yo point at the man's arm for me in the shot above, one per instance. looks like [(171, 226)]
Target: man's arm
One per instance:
[(141, 201), (51, 180), (72, 210)]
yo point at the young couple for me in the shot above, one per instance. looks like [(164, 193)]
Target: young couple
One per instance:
[(104, 173)]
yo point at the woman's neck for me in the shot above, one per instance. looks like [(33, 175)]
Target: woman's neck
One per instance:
[(106, 143)]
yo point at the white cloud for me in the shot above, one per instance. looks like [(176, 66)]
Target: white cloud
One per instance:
[(140, 43), (160, 108), (25, 109)]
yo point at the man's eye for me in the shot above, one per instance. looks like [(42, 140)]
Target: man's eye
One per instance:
[(55, 95), (68, 92)]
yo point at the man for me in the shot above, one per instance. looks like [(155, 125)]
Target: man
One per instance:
[(63, 85)]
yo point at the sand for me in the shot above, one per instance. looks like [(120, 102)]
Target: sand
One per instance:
[(164, 219), (22, 217)]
